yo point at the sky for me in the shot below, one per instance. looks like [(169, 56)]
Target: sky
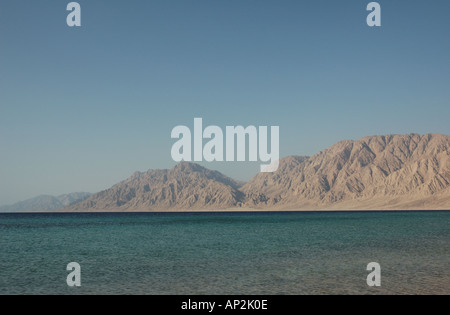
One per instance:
[(82, 108)]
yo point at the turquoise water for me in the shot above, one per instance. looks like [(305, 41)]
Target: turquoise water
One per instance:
[(226, 253)]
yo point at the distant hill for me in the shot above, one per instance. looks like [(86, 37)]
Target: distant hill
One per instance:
[(46, 203), (377, 172)]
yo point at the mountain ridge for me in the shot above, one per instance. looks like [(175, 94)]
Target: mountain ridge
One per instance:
[(45, 202), (377, 166), (374, 172)]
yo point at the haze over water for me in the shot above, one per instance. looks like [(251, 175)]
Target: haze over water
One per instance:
[(226, 253)]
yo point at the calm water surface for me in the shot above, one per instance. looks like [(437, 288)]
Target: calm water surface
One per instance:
[(226, 253)]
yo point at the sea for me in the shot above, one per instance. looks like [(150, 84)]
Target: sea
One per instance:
[(229, 253)]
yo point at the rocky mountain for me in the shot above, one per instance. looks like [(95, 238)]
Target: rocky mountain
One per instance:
[(378, 172), (394, 169), (186, 186), (46, 203)]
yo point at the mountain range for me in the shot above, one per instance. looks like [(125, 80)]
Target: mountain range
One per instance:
[(391, 172), (46, 203)]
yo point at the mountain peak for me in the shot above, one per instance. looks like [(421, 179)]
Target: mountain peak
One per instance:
[(188, 167), (185, 186)]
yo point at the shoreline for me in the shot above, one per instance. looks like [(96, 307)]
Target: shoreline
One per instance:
[(225, 211)]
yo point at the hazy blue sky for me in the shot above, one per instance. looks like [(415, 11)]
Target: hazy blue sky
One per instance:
[(83, 108)]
